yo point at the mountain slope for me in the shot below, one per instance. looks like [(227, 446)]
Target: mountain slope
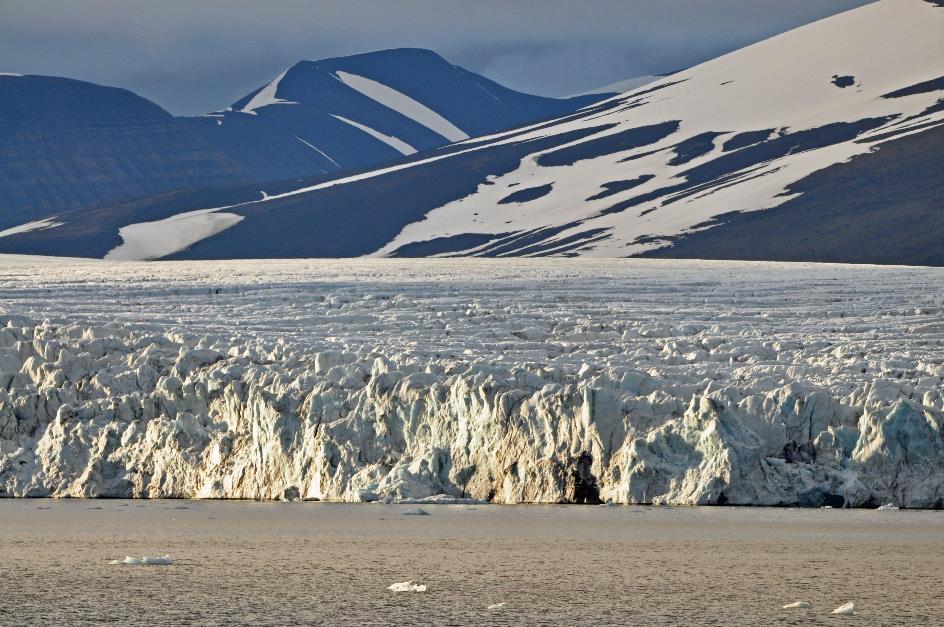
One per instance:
[(348, 112), (66, 144), (789, 126)]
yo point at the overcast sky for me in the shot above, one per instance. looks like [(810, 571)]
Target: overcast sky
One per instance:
[(194, 56)]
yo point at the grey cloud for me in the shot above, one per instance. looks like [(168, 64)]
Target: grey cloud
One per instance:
[(195, 56)]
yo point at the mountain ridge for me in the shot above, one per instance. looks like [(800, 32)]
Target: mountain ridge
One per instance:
[(330, 115), (67, 144), (773, 125)]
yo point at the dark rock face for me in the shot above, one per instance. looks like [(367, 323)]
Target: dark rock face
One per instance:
[(66, 144), (843, 81), (878, 208), (584, 485), (525, 195)]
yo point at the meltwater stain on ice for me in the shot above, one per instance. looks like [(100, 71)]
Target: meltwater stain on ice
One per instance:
[(163, 560)]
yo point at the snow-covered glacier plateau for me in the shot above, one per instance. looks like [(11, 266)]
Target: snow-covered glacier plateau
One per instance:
[(631, 381)]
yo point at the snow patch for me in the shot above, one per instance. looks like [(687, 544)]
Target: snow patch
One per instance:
[(403, 104), (621, 87), (144, 241), (38, 225), (316, 149), (394, 142), (266, 96)]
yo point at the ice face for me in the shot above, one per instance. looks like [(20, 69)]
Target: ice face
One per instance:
[(638, 381)]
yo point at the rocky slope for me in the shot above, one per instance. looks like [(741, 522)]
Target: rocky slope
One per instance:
[(331, 115), (66, 144), (819, 144), (640, 382)]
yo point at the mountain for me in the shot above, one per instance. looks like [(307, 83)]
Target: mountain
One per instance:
[(623, 86), (823, 143), (350, 112), (66, 144)]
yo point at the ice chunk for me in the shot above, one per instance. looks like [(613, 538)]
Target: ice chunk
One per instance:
[(846, 609), (497, 606), (164, 560), (888, 507), (407, 586), (798, 605)]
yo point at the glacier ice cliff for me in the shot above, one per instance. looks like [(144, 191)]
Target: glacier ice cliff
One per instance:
[(666, 411)]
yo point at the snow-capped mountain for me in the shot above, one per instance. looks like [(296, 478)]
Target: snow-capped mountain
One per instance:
[(823, 143), (350, 112), (66, 144)]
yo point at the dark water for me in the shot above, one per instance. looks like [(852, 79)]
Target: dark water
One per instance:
[(243, 563)]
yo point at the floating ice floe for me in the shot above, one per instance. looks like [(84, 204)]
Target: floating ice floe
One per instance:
[(407, 586), (497, 606), (888, 507), (416, 511), (163, 560), (846, 609), (436, 499), (798, 605)]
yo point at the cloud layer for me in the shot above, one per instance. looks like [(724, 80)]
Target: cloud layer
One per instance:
[(193, 57)]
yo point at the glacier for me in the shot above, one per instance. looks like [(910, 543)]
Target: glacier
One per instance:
[(508, 381)]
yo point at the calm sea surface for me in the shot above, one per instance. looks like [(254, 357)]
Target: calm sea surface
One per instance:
[(245, 563)]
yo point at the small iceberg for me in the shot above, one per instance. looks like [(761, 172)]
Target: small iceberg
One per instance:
[(163, 560), (416, 511), (407, 586), (497, 606), (846, 609), (798, 605), (888, 507)]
